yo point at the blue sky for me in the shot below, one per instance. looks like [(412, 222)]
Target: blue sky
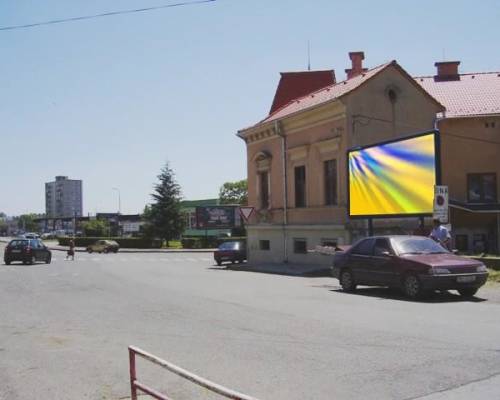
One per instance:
[(110, 100)]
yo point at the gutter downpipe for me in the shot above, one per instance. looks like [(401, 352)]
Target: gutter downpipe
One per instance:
[(278, 126), (498, 232)]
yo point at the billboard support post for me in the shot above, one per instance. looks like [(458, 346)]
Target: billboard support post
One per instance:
[(370, 226)]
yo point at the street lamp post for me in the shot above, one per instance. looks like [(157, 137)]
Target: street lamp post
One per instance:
[(119, 211), (119, 201)]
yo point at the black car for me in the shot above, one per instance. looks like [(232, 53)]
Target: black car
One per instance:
[(416, 264), (230, 251), (28, 251)]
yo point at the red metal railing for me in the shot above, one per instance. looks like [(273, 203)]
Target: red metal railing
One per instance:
[(135, 384)]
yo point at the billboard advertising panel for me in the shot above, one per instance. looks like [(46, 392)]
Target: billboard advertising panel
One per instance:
[(395, 178), (216, 217)]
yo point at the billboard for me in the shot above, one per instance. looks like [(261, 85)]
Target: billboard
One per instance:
[(394, 178), (216, 217)]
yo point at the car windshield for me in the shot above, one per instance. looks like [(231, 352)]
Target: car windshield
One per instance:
[(229, 246), (417, 245)]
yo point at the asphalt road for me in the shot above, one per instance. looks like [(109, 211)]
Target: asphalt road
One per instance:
[(65, 328)]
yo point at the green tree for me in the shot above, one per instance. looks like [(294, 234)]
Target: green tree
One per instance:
[(96, 227), (27, 222), (3, 227), (234, 193), (163, 217)]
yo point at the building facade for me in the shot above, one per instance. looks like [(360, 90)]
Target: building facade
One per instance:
[(63, 198), (470, 147), (297, 166)]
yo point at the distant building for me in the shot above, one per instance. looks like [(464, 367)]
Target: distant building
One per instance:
[(63, 198)]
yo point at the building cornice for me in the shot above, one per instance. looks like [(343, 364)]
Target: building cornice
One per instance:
[(306, 119)]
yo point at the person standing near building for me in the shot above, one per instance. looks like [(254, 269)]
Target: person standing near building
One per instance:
[(440, 234), (71, 251)]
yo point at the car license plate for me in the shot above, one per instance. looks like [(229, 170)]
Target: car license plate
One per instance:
[(464, 279), (16, 251)]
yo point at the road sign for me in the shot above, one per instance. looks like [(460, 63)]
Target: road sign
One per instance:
[(246, 212), (441, 203)]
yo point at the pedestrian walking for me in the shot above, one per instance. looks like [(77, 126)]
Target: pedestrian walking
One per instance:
[(71, 251)]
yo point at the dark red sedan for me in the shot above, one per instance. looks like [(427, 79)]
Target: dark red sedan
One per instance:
[(230, 251), (415, 264)]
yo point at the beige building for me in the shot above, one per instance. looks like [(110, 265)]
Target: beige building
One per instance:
[(470, 147), (297, 177), (297, 158)]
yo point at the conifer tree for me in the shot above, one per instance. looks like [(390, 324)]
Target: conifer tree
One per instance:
[(164, 215)]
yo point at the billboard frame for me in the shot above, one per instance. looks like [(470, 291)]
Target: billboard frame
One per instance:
[(437, 172)]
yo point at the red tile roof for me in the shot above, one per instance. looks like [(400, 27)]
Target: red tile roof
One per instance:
[(328, 93), (473, 94), (297, 84)]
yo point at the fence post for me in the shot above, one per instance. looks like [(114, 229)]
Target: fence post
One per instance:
[(133, 377)]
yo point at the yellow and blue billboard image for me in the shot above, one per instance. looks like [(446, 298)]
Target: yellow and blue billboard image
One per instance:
[(394, 178)]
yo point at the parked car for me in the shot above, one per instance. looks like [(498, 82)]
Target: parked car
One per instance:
[(104, 246), (32, 235), (28, 251), (415, 264), (230, 251)]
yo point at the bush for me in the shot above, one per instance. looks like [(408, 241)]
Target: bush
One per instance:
[(209, 242), (125, 243)]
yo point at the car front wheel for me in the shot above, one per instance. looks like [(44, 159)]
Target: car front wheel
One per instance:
[(48, 260), (412, 287), (347, 281), (7, 262), (219, 262), (468, 292), (89, 250)]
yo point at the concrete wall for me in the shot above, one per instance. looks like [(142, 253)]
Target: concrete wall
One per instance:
[(314, 235)]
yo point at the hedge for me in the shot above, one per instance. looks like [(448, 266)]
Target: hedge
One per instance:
[(126, 243), (209, 242)]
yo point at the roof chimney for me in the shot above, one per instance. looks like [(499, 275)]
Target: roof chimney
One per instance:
[(357, 58), (447, 71)]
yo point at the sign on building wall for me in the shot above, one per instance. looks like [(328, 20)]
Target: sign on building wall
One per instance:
[(394, 178), (441, 203), (217, 217)]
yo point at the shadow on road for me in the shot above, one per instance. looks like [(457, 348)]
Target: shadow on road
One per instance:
[(21, 264), (394, 294), (247, 268)]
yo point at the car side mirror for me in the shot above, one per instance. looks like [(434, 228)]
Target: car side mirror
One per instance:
[(386, 253)]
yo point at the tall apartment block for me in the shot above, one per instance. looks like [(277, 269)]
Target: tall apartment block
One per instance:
[(63, 198)]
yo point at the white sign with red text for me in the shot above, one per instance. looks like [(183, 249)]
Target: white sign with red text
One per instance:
[(441, 203)]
